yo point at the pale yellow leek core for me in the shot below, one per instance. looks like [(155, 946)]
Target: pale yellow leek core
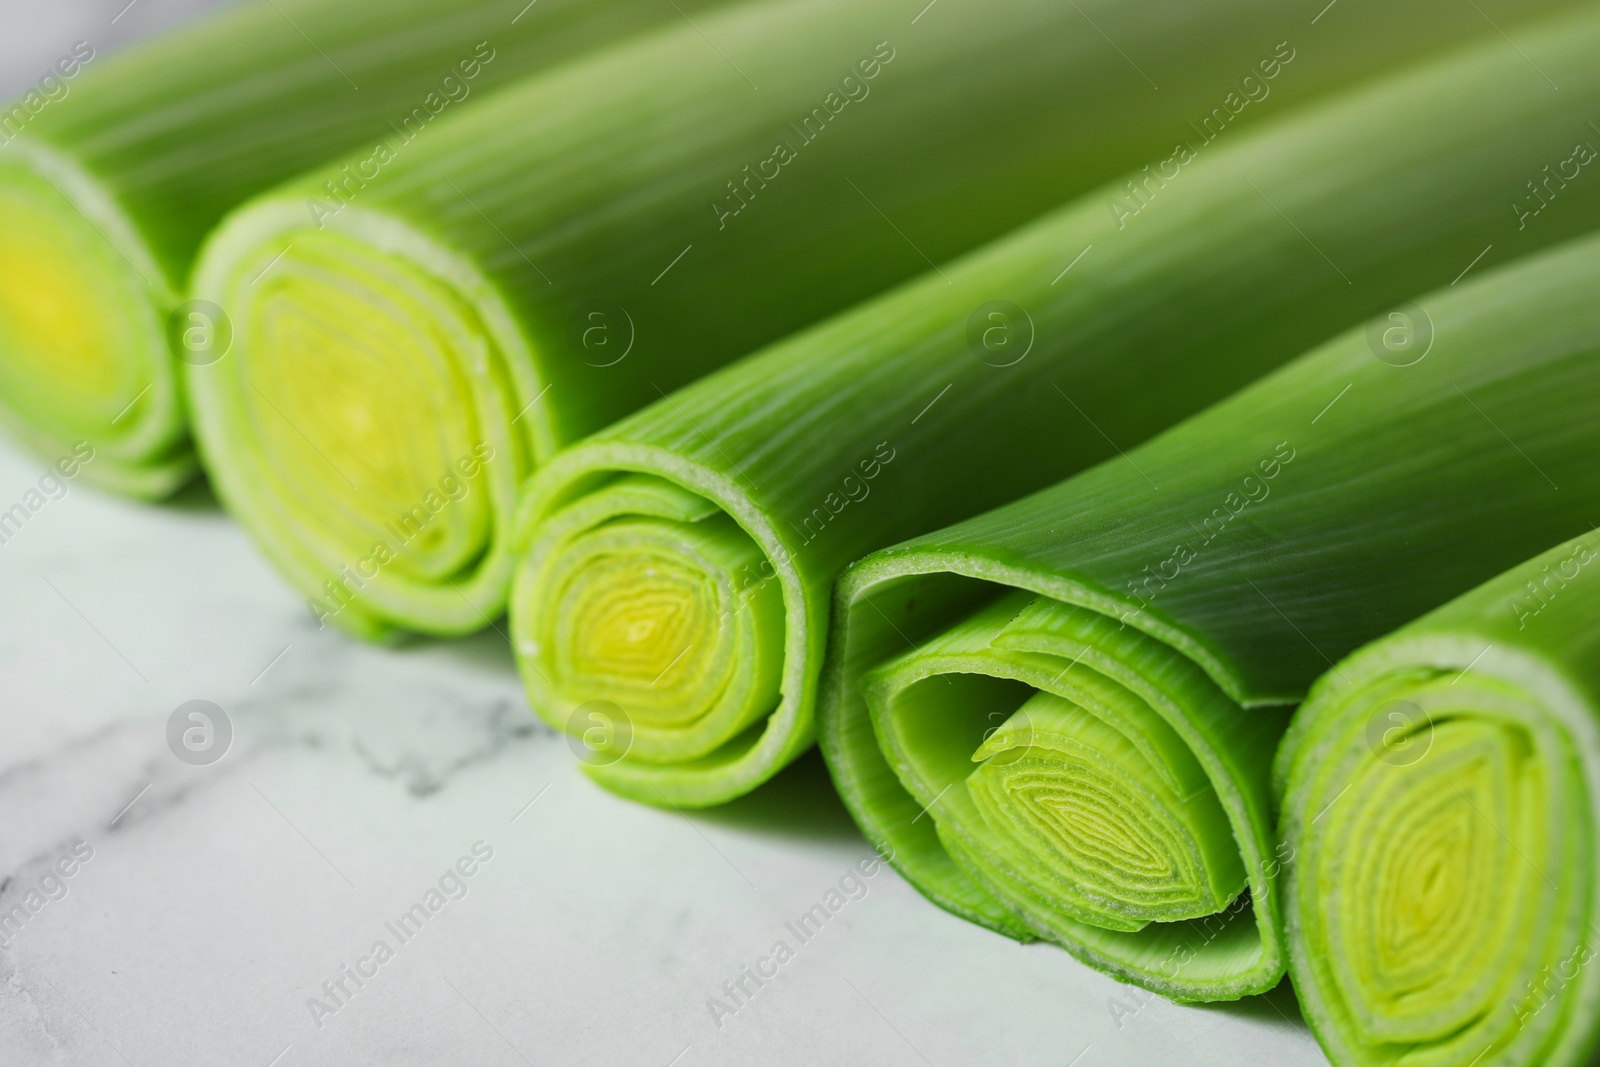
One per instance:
[(62, 369), (1441, 915), (361, 429), (1063, 790), (649, 597)]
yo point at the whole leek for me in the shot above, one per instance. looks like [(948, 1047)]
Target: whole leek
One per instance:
[(1439, 806)]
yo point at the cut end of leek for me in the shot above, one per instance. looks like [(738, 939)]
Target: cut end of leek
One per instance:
[(1424, 920), (1052, 750), (641, 595), (359, 429), (83, 349)]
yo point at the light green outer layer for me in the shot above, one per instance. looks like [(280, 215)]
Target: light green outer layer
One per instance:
[(1218, 957), (737, 681), (1090, 726), (1341, 547), (469, 601), (585, 185), (1234, 750), (740, 767), (1554, 658), (1401, 182)]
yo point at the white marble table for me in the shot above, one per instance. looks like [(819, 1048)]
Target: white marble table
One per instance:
[(217, 901)]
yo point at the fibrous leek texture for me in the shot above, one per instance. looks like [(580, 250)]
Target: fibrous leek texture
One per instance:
[(1204, 581), (1020, 364), (1439, 794), (114, 168), (412, 335)]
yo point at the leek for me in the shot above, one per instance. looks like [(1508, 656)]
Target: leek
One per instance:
[(1439, 809), (413, 335), (1303, 516), (673, 593), (114, 168)]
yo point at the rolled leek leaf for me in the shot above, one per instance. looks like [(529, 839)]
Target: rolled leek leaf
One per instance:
[(412, 335), (1179, 598), (1439, 805), (113, 169), (677, 567)]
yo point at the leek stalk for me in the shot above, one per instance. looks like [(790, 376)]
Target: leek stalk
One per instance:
[(673, 594), (1313, 511), (114, 168), (413, 335), (1439, 804)]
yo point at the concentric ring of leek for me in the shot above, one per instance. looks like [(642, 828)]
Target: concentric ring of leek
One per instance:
[(642, 594), (652, 584), (1440, 895), (83, 348), (1043, 741), (361, 427)]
